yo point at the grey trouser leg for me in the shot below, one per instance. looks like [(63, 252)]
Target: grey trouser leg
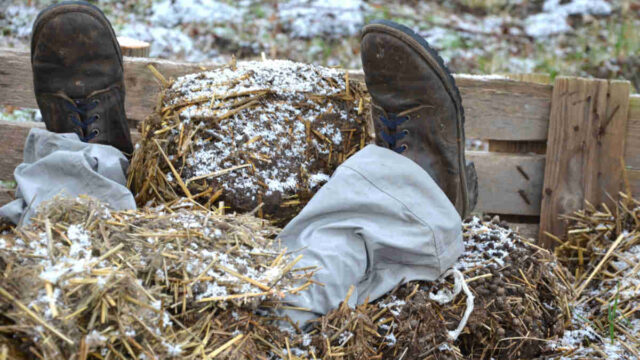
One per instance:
[(379, 221), (60, 164)]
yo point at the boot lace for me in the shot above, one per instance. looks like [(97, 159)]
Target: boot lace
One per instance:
[(392, 123), (79, 109)]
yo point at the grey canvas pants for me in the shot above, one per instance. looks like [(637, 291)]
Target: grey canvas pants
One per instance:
[(379, 221), (60, 164)]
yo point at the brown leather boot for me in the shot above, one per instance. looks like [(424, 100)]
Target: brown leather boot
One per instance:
[(78, 74), (416, 108)]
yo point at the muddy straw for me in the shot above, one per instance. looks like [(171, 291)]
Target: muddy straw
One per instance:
[(189, 279), (201, 140), (601, 250), (149, 282), (181, 282), (34, 316)]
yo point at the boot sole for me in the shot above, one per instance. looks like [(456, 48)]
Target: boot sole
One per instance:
[(434, 60), (73, 6)]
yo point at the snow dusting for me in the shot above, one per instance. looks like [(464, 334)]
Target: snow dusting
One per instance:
[(265, 130)]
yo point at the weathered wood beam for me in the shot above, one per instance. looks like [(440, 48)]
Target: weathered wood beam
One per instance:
[(502, 182), (632, 148), (496, 108), (587, 131), (508, 183), (502, 109), (142, 88), (13, 135)]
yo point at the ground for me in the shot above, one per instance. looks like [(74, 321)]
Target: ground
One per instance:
[(569, 37)]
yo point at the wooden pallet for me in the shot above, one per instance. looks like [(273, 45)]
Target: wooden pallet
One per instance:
[(513, 115)]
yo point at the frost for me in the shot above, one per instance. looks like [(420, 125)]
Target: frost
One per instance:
[(170, 13), (554, 18), (95, 339), (332, 18), (391, 339), (173, 350), (273, 136), (81, 244), (394, 306), (496, 250)]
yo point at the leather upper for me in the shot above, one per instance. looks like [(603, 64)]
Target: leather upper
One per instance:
[(76, 59), (405, 80)]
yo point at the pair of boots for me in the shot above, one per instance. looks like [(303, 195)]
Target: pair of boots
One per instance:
[(416, 106)]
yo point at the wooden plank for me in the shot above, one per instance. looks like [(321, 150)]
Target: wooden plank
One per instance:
[(14, 135), (6, 195), (634, 182), (502, 109), (500, 181), (536, 147), (523, 147), (632, 150), (539, 78), (586, 143), (608, 146), (528, 231), (508, 183), (16, 81), (496, 107)]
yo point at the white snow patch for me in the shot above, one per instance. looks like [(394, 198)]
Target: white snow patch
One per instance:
[(331, 18)]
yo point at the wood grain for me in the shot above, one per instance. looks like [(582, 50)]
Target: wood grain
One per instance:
[(539, 78), (502, 109), (528, 231), (500, 181), (16, 81), (14, 135), (632, 150), (508, 183), (634, 182), (498, 109), (134, 48), (586, 143), (522, 147), (604, 177)]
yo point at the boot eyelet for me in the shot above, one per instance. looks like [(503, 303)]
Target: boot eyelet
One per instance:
[(404, 147), (95, 132), (405, 132), (96, 102), (97, 117)]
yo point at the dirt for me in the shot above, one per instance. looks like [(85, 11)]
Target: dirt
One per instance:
[(512, 316), (507, 308), (282, 127)]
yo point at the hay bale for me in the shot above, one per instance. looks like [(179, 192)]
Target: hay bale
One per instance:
[(251, 133), (155, 283)]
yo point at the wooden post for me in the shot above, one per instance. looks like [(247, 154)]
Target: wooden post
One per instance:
[(585, 147), (133, 48)]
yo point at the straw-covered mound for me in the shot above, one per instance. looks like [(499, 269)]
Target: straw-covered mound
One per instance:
[(184, 282), (267, 132), (159, 283), (602, 249)]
